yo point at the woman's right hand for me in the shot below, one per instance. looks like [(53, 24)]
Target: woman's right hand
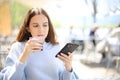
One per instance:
[(31, 45)]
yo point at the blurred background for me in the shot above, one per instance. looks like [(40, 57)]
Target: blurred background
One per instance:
[(73, 21)]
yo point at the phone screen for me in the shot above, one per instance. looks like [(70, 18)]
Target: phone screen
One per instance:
[(69, 47)]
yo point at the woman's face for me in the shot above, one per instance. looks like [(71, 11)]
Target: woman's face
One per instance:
[(39, 26)]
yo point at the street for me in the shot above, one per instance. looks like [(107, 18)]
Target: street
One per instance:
[(88, 67)]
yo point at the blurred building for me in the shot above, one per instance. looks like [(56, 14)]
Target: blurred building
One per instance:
[(5, 18)]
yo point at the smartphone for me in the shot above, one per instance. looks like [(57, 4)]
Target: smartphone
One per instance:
[(69, 47)]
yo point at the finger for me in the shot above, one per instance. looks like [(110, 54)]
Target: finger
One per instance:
[(64, 55), (36, 46), (64, 59), (70, 55)]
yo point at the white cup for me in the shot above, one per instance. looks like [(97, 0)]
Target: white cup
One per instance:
[(38, 39)]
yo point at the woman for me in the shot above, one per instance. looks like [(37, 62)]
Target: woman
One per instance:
[(23, 63)]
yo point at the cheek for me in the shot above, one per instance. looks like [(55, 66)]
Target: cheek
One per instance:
[(33, 32), (46, 32)]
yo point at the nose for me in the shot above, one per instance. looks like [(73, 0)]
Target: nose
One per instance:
[(41, 31)]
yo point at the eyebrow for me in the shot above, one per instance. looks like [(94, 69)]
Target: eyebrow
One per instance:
[(34, 23), (37, 23), (45, 22)]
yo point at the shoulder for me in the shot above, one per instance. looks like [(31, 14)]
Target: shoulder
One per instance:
[(16, 48), (17, 45)]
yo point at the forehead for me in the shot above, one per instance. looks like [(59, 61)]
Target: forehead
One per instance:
[(39, 18)]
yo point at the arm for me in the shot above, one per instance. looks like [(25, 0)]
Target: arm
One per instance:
[(14, 70), (16, 60), (67, 73)]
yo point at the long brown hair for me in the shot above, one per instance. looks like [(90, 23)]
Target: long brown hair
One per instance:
[(24, 35)]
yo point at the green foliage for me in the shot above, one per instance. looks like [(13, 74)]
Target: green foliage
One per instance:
[(55, 22), (18, 12)]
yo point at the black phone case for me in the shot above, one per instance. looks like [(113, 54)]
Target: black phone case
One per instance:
[(69, 47)]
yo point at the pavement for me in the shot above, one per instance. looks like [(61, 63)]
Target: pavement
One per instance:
[(89, 67)]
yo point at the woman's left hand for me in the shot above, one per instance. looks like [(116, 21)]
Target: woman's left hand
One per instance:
[(67, 59)]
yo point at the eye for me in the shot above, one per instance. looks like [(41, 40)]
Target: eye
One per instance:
[(35, 25), (45, 25)]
